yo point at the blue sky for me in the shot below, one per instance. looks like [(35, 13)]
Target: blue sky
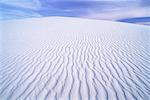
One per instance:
[(118, 10)]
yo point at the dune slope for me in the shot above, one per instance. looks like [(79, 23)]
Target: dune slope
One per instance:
[(60, 58)]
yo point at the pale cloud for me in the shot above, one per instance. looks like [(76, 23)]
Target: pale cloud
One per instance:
[(31, 4), (116, 13), (16, 14), (119, 14), (15, 9)]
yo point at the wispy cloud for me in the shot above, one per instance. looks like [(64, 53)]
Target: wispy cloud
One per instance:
[(14, 9), (31, 4), (116, 13)]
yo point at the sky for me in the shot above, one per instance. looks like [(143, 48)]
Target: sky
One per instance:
[(132, 11)]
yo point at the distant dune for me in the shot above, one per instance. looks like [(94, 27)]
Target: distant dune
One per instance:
[(138, 20), (60, 58)]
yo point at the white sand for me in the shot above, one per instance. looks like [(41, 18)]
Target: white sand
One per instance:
[(58, 58)]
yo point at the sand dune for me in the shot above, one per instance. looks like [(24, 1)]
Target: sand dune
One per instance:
[(60, 58)]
